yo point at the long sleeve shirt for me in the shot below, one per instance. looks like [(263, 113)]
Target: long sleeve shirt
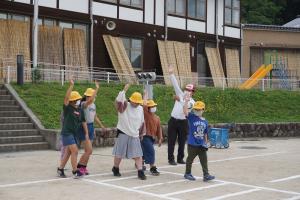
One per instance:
[(130, 119), (152, 121), (177, 111)]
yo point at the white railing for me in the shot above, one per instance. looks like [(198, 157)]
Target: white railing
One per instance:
[(62, 73)]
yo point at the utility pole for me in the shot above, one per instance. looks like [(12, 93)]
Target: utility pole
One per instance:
[(35, 29)]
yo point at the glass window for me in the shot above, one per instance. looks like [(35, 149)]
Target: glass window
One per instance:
[(65, 25), (232, 12), (18, 17), (197, 9), (49, 22), (112, 1), (133, 3), (133, 49), (176, 7), (3, 16)]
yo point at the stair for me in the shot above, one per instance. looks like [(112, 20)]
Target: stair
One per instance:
[(17, 132)]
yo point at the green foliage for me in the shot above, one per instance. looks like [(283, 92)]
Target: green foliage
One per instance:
[(36, 74), (229, 106)]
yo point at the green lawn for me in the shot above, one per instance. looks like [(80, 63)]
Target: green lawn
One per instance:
[(229, 106)]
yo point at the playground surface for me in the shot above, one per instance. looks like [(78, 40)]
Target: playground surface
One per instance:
[(256, 168)]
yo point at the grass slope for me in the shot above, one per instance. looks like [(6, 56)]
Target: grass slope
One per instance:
[(229, 106)]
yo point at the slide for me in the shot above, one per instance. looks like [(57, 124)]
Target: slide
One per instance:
[(254, 79)]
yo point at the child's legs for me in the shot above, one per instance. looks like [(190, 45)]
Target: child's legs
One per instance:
[(192, 153), (74, 152), (203, 160), (65, 158), (88, 149), (148, 150), (139, 162)]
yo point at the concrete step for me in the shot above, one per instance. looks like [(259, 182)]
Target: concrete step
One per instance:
[(15, 133), (17, 126), (5, 120), (21, 139), (7, 102), (5, 97), (24, 146), (11, 114), (9, 108), (3, 92)]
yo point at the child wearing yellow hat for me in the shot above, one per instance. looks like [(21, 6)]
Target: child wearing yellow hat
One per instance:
[(197, 139), (89, 109), (73, 119), (153, 131)]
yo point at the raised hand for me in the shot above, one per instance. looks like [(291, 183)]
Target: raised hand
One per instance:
[(126, 87), (171, 69), (71, 82), (97, 84)]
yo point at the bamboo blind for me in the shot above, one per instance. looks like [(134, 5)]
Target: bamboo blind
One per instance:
[(233, 67), (75, 53), (119, 57), (178, 55), (14, 40), (215, 65)]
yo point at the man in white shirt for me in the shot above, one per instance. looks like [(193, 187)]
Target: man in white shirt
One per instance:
[(178, 124)]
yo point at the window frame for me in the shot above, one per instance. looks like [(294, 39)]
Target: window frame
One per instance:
[(232, 8), (171, 13), (131, 49), (130, 4)]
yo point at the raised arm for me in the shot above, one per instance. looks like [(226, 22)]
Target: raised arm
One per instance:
[(121, 102), (174, 82), (185, 106), (68, 93), (91, 100)]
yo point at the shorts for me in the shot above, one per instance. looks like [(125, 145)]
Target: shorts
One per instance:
[(127, 147), (91, 129), (68, 140)]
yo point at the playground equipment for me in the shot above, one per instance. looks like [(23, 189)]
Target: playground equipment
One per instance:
[(258, 75)]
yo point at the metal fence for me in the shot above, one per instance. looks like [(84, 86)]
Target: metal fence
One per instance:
[(62, 74)]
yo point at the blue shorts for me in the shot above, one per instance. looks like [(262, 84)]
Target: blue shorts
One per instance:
[(68, 140), (91, 129), (148, 149)]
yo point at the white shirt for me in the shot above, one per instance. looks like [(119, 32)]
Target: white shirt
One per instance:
[(89, 112), (131, 120), (177, 111)]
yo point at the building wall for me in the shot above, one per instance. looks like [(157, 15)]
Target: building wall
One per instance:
[(265, 39)]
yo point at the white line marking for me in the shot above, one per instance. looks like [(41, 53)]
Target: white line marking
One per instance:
[(285, 179), (117, 179), (194, 189), (108, 173), (245, 185), (245, 157), (234, 194), (157, 184), (293, 198), (130, 190)]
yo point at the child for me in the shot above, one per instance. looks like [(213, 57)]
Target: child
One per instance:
[(89, 109), (73, 118), (153, 130), (197, 139)]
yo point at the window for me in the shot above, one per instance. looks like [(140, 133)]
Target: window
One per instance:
[(197, 9), (232, 12), (133, 3), (176, 7), (111, 1), (3, 16), (133, 49)]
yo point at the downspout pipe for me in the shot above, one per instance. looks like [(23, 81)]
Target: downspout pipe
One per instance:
[(91, 40), (35, 28), (166, 21), (217, 24)]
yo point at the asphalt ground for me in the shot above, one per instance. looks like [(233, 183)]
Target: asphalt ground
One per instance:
[(253, 168)]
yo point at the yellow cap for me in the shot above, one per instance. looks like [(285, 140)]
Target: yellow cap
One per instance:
[(89, 92), (136, 97), (75, 96), (199, 105), (151, 103)]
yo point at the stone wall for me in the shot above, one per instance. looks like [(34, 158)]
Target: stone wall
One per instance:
[(107, 137)]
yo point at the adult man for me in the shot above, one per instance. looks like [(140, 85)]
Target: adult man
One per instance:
[(178, 124)]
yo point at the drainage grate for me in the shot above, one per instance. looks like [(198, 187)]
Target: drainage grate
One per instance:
[(252, 147)]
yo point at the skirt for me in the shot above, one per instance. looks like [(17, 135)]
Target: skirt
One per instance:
[(127, 147)]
